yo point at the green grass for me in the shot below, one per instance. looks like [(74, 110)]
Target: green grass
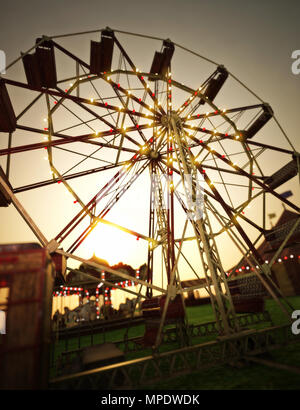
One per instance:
[(252, 376)]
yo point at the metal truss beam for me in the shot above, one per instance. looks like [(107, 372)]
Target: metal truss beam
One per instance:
[(168, 365)]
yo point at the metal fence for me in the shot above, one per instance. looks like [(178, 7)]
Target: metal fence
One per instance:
[(69, 360), (153, 369)]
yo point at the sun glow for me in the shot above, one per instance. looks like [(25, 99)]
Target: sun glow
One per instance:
[(114, 246)]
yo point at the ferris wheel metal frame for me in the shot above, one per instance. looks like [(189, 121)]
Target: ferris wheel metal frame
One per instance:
[(165, 144)]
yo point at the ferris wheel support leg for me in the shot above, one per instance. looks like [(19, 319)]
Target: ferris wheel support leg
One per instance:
[(24, 214), (267, 271), (212, 267), (266, 267), (171, 291)]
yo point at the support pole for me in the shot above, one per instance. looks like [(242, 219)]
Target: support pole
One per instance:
[(24, 214)]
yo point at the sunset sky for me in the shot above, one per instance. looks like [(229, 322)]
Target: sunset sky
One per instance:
[(253, 40)]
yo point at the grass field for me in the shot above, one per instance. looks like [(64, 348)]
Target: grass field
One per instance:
[(252, 376)]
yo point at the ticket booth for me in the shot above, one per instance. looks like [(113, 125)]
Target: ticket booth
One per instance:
[(26, 282)]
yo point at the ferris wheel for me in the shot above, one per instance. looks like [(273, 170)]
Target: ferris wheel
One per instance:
[(205, 160)]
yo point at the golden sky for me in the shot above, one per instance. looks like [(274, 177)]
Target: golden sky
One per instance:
[(254, 43)]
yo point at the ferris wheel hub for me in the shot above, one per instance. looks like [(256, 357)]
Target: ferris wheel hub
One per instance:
[(154, 154), (166, 120)]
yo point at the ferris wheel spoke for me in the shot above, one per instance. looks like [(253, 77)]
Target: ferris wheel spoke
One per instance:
[(69, 54), (140, 77), (79, 124), (70, 176), (271, 147), (223, 182), (82, 122), (99, 96), (265, 188), (101, 193), (113, 128), (231, 233), (139, 101), (267, 282), (105, 210), (89, 206), (73, 98), (86, 157), (101, 118), (216, 113), (211, 195), (129, 92), (132, 118), (31, 104), (245, 174), (230, 214), (64, 140), (193, 94)]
